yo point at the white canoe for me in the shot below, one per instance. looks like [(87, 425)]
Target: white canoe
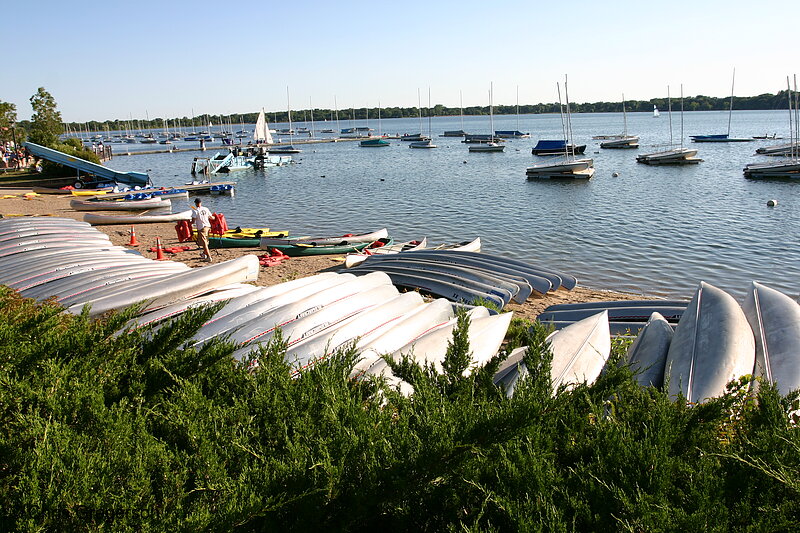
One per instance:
[(412, 325), (312, 349), (179, 287), (242, 310), (354, 259), (120, 205), (61, 244), (775, 319), (580, 352), (326, 318), (713, 344), (647, 356), (263, 326), (108, 220), (52, 230)]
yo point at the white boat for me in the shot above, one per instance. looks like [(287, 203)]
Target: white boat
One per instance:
[(671, 156), (120, 205), (424, 144), (104, 220), (366, 325), (177, 287), (580, 352), (788, 168), (647, 356), (656, 114), (621, 141), (713, 344), (775, 319), (354, 259), (490, 146), (569, 166)]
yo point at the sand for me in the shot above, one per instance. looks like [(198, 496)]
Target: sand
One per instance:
[(297, 267)]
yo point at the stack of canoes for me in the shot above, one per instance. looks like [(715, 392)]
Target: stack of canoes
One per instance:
[(305, 246), (77, 265), (714, 342), (468, 277)]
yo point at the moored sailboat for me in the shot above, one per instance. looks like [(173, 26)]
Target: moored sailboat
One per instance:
[(671, 156), (490, 146)]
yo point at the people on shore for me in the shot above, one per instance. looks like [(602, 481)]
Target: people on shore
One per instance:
[(202, 218)]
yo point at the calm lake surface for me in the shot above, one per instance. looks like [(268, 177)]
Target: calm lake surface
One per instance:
[(651, 230)]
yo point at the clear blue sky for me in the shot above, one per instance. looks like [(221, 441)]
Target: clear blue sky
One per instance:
[(104, 60)]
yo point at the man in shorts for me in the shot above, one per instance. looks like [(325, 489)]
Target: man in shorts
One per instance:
[(202, 221)]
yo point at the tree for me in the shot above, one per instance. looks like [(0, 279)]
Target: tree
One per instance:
[(8, 116), (46, 120)]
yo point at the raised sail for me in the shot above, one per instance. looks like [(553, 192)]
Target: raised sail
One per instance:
[(262, 134)]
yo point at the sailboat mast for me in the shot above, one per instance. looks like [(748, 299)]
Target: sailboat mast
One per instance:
[(669, 106), (289, 112), (429, 111), (461, 108), (730, 112), (491, 113), (681, 115), (380, 130), (561, 114), (336, 111), (312, 117), (796, 145), (419, 110), (569, 121), (624, 117), (517, 107)]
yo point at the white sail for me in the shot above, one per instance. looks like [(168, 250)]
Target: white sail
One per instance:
[(655, 112), (262, 134)]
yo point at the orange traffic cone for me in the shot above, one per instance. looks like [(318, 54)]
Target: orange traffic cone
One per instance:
[(159, 251), (133, 242)]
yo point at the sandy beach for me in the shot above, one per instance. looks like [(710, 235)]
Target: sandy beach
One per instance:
[(13, 203)]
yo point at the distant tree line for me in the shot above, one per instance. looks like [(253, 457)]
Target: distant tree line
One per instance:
[(765, 101)]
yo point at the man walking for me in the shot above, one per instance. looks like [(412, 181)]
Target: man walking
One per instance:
[(202, 217)]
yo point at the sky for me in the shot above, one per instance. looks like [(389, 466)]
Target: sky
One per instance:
[(107, 60)]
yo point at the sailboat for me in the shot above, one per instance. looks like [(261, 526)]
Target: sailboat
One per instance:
[(671, 156), (624, 140), (568, 166), (490, 146), (788, 168), (722, 137), (261, 135), (426, 143), (414, 137), (656, 114), (513, 134), (288, 149), (461, 132), (378, 141)]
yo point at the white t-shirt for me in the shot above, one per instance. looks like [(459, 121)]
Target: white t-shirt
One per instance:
[(201, 216)]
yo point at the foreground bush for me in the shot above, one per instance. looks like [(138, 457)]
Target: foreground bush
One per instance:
[(130, 433)]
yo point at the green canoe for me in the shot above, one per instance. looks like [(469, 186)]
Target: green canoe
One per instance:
[(294, 250), (233, 242)]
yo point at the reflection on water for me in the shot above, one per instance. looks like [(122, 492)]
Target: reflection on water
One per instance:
[(655, 230)]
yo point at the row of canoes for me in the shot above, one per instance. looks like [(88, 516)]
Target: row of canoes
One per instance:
[(715, 341), (469, 277), (77, 265)]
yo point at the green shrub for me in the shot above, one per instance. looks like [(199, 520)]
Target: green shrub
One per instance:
[(142, 432)]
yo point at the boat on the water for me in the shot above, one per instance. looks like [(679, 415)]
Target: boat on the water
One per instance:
[(672, 155), (490, 145), (374, 143), (567, 166), (623, 141), (511, 134), (557, 147), (722, 137), (788, 168)]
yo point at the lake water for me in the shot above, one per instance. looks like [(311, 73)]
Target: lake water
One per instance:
[(651, 230)]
